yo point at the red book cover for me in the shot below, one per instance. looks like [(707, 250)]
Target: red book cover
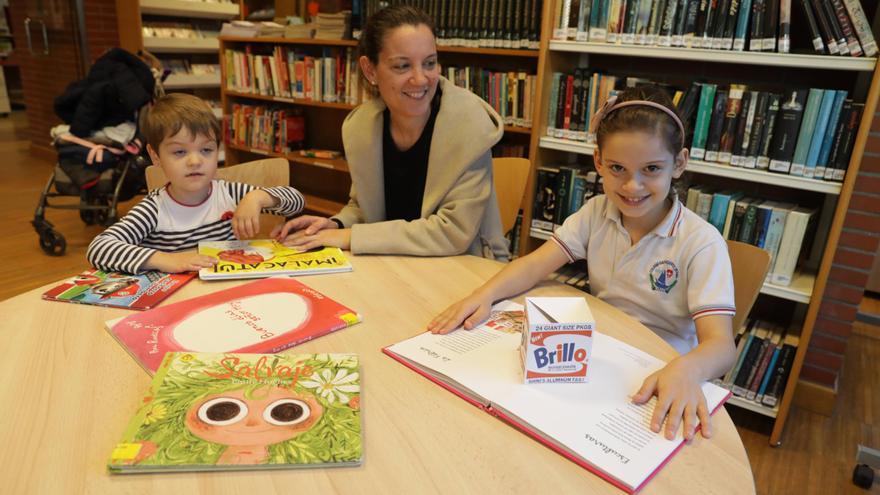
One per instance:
[(118, 290), (265, 316), (568, 90)]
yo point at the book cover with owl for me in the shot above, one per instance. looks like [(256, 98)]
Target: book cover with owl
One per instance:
[(229, 411), (263, 316)]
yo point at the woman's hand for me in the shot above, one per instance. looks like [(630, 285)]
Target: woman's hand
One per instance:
[(679, 396), (333, 237), (309, 223), (473, 310)]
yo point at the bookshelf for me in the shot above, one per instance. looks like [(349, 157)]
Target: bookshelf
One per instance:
[(326, 183), (859, 75)]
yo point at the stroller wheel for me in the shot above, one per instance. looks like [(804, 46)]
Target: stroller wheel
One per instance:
[(52, 243)]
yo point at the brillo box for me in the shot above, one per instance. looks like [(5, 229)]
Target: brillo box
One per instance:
[(557, 340)]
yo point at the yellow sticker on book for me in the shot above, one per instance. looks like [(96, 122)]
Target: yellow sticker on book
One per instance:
[(125, 451), (350, 318)]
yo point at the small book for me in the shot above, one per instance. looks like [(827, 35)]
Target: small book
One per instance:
[(234, 412), (593, 424), (263, 316), (266, 258), (118, 290)]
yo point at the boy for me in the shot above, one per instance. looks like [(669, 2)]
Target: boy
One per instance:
[(161, 231)]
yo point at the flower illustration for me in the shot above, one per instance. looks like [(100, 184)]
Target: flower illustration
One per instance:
[(157, 412), (355, 402), (333, 388)]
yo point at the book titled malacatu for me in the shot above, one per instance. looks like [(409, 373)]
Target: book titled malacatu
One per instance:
[(263, 316), (266, 258), (118, 290), (217, 412), (594, 424)]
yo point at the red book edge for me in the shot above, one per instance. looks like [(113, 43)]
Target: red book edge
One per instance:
[(532, 433)]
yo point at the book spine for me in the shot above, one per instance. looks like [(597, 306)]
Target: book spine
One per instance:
[(612, 24), (822, 120), (598, 20), (862, 27), (790, 247), (679, 23), (552, 107), (544, 208), (784, 44), (815, 34), (564, 186), (730, 25), (560, 105), (741, 357), (771, 22), (576, 99), (744, 128), (843, 158), (827, 25), (749, 223), (847, 27), (703, 14), (788, 123), (656, 22), (836, 27), (716, 127), (750, 366), (742, 25), (779, 379), (691, 13), (830, 131), (761, 369), (774, 235), (643, 21), (838, 140), (534, 23), (756, 40), (739, 212), (762, 223), (805, 135), (768, 373), (752, 149), (628, 33), (731, 119), (718, 212), (583, 28)]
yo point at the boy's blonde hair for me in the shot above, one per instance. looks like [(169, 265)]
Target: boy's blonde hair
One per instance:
[(175, 111)]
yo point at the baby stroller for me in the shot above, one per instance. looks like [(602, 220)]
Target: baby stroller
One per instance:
[(101, 159)]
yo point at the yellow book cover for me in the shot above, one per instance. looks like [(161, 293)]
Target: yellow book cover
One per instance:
[(266, 257)]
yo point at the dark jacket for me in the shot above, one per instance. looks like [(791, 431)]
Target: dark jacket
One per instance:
[(118, 84)]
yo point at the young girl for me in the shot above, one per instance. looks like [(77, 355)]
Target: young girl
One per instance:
[(647, 255)]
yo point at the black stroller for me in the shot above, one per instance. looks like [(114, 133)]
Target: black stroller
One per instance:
[(101, 160)]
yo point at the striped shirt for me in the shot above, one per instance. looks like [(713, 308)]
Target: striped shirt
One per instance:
[(160, 223), (676, 274)]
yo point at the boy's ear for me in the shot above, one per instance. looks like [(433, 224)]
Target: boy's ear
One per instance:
[(154, 156), (680, 163)]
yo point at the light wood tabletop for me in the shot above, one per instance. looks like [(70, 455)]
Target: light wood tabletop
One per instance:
[(68, 390)]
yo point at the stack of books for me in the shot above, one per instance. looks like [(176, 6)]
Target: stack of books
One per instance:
[(248, 29), (333, 26), (300, 31)]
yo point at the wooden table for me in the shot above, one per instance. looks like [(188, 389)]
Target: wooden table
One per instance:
[(68, 390)]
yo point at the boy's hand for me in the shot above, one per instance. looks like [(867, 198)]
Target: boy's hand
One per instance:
[(178, 262), (472, 309), (678, 396), (310, 224), (246, 220)]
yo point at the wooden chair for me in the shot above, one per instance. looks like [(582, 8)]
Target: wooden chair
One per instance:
[(263, 173), (750, 265), (510, 178)]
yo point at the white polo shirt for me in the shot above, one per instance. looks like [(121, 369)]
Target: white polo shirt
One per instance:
[(677, 273)]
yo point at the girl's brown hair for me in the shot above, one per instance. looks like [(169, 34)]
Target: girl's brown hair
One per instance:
[(644, 118)]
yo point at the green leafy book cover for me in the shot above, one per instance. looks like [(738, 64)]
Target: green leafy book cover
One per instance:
[(208, 412)]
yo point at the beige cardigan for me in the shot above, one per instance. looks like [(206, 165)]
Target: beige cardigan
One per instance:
[(459, 209)]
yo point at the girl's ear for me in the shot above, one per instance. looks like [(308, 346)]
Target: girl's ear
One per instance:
[(597, 162), (368, 69), (680, 163)]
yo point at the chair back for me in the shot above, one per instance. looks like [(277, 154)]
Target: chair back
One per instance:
[(510, 178), (262, 173), (750, 265)]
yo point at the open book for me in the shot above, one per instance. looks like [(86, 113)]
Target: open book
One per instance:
[(594, 424), (267, 258), (221, 412)]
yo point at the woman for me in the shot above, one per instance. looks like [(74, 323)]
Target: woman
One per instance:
[(419, 155)]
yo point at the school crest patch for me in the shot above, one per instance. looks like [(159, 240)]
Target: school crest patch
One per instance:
[(663, 276)]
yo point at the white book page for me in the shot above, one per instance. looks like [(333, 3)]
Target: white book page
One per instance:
[(596, 420)]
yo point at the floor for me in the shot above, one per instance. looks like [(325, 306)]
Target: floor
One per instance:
[(817, 455)]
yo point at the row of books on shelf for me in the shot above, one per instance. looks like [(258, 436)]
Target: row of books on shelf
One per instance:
[(288, 73), (777, 227), (259, 127), (802, 132), (325, 26), (837, 27), (765, 355), (511, 94), (182, 30), (561, 191), (184, 66), (479, 23)]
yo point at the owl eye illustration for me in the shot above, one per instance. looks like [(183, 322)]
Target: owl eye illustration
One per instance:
[(287, 412), (222, 411)]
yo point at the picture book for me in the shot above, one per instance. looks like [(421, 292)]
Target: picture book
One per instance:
[(263, 316), (266, 257), (217, 412), (118, 290), (594, 424)]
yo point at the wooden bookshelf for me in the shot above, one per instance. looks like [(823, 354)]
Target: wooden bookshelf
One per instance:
[(181, 45), (289, 101), (183, 81), (322, 206), (186, 8), (338, 164), (863, 82)]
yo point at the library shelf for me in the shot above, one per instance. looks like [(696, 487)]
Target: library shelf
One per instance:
[(185, 8), (716, 169), (792, 60), (181, 45)]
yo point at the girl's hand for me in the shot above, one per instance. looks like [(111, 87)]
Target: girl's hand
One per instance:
[(309, 223), (246, 220), (679, 396), (178, 262), (333, 237), (472, 309)]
